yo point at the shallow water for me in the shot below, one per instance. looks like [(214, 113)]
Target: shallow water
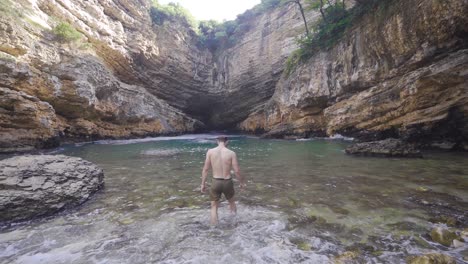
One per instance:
[(306, 202)]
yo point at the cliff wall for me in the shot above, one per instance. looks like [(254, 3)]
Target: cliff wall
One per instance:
[(124, 77), (401, 72)]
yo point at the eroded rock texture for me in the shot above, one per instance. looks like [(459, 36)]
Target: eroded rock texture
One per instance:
[(123, 78), (32, 186), (399, 73)]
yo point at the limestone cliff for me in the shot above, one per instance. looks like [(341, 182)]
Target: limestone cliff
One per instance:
[(399, 73), (245, 75), (115, 81)]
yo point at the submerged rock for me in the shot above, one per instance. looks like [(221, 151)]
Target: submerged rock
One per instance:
[(346, 257), (443, 236), (39, 185), (445, 219), (384, 148), (432, 258)]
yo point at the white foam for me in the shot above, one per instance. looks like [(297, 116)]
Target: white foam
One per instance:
[(203, 138), (341, 137), (305, 139), (161, 152)]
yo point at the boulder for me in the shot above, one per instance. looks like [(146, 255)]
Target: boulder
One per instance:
[(40, 185), (443, 236), (384, 148)]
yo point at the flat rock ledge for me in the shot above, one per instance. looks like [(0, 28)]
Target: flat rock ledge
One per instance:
[(384, 148), (40, 185)]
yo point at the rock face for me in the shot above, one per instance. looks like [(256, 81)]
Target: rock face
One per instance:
[(384, 148), (26, 122), (32, 186), (127, 77), (245, 75), (400, 73), (112, 82)]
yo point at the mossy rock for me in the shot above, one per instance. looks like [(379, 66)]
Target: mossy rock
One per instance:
[(444, 219), (432, 258), (421, 242), (346, 257), (443, 236), (301, 244)]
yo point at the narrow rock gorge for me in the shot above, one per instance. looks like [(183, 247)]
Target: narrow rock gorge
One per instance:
[(400, 73)]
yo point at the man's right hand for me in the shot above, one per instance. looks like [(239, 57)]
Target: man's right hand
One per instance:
[(203, 188)]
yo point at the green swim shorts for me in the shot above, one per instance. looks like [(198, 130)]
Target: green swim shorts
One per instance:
[(221, 186)]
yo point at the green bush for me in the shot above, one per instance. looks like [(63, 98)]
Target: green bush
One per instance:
[(327, 33), (171, 12), (211, 34), (66, 32)]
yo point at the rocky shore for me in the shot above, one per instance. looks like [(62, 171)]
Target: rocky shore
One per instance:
[(39, 185)]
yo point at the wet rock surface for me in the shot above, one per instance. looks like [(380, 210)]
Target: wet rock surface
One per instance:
[(443, 236), (384, 148), (431, 258), (40, 185)]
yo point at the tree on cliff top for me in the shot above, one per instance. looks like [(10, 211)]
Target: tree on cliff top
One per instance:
[(298, 3), (336, 19), (171, 12)]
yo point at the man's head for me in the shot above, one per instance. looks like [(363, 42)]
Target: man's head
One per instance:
[(222, 139)]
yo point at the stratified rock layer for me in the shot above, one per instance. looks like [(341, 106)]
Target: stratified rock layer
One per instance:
[(26, 122), (32, 186), (400, 73), (111, 83)]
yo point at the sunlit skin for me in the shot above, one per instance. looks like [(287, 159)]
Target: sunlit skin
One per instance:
[(221, 160)]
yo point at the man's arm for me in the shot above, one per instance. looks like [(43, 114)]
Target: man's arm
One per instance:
[(235, 166), (205, 170)]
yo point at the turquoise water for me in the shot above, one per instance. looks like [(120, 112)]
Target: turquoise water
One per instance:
[(305, 202)]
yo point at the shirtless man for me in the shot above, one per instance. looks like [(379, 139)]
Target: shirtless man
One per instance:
[(221, 159)]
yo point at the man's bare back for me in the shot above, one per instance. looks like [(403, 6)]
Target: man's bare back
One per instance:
[(221, 160)]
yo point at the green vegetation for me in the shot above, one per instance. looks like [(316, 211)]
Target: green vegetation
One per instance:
[(336, 19), (211, 34), (171, 12), (66, 32)]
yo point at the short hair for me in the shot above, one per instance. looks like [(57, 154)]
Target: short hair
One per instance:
[(222, 139)]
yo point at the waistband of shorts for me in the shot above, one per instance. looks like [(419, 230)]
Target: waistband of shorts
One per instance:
[(222, 179)]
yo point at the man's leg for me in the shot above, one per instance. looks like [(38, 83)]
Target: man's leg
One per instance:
[(214, 212), (232, 205), (229, 193)]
